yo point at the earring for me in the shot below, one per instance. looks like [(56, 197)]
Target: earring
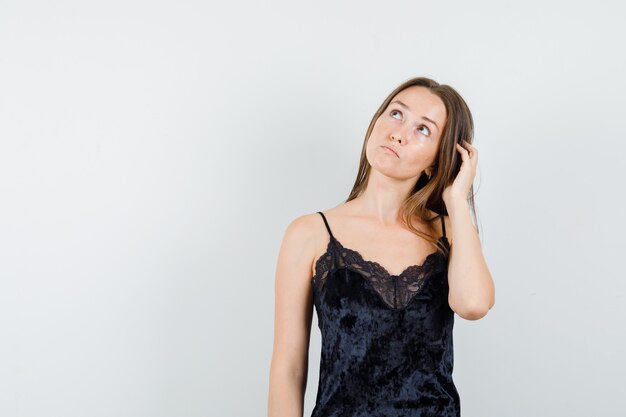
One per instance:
[(430, 174)]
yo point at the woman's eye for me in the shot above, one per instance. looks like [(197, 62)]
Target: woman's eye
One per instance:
[(427, 130), (427, 133)]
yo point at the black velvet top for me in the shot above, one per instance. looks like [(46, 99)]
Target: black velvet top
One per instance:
[(386, 339)]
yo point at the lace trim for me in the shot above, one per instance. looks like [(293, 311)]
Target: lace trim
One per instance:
[(395, 290)]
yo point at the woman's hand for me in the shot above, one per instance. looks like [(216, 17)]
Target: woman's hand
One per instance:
[(460, 188)]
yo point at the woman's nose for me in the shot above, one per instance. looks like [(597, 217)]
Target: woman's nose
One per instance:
[(396, 137)]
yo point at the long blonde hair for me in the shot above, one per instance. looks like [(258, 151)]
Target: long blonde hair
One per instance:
[(426, 194)]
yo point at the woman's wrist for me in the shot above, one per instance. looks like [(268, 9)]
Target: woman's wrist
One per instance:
[(456, 205)]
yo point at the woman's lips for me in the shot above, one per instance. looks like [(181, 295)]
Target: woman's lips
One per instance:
[(390, 150)]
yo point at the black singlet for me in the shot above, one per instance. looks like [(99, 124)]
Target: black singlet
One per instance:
[(387, 346)]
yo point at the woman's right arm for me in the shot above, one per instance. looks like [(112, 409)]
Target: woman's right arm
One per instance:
[(292, 320)]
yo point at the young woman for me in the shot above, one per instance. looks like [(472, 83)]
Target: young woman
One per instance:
[(386, 270)]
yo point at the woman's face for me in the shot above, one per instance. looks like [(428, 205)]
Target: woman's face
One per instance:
[(411, 126)]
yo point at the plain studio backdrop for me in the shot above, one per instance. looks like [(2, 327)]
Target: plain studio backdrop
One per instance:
[(153, 153)]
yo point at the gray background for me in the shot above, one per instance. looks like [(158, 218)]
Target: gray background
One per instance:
[(153, 153)]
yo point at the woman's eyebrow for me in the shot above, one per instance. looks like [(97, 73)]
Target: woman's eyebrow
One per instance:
[(407, 107)]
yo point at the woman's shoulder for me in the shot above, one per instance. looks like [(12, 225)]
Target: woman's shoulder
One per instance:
[(309, 234), (308, 224), (308, 230), (303, 228), (447, 225), (436, 223)]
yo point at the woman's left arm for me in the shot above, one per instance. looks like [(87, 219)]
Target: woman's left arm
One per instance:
[(471, 288)]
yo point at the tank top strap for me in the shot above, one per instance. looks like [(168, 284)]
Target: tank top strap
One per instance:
[(326, 223), (443, 225)]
